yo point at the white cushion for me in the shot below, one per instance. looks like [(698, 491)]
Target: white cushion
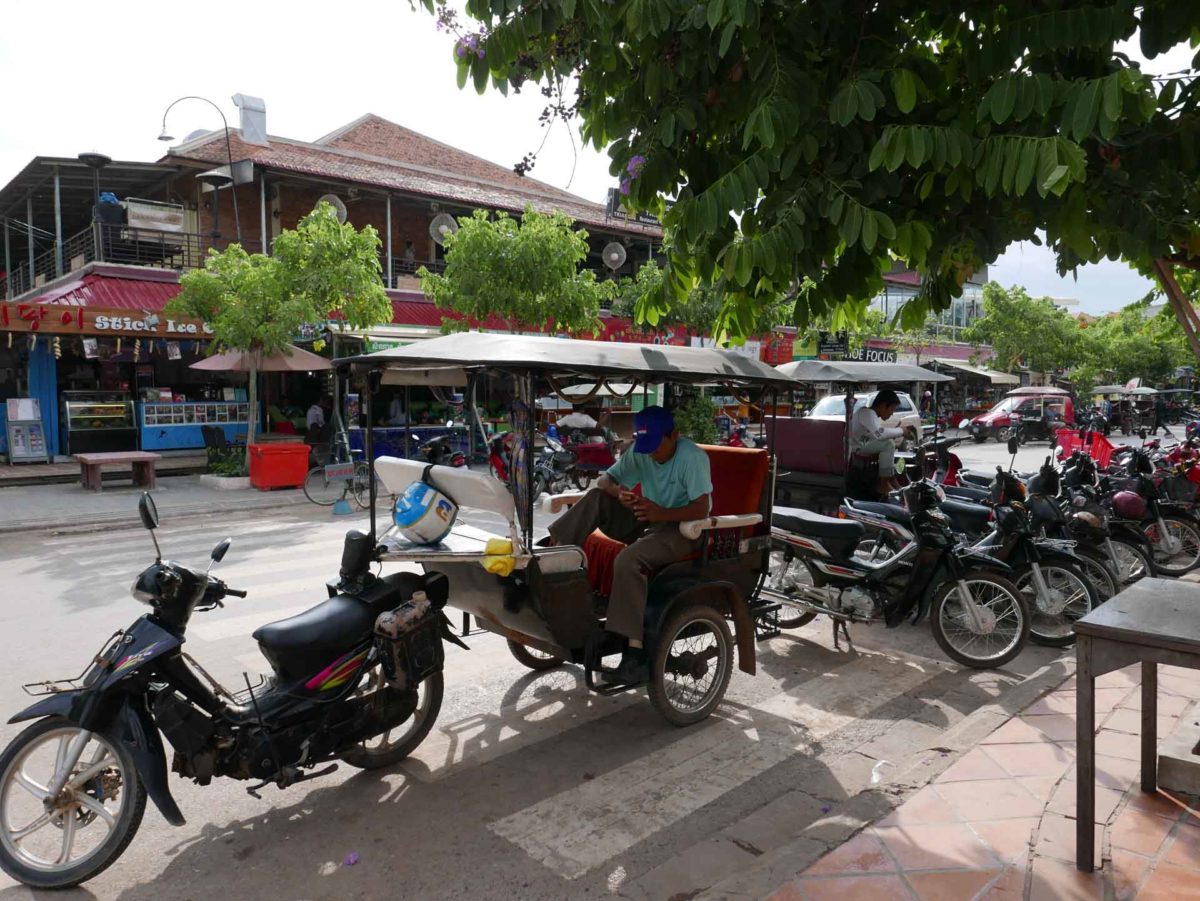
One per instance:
[(465, 487)]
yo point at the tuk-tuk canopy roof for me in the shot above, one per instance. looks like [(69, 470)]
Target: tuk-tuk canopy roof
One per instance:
[(853, 371), (1038, 391), (446, 358)]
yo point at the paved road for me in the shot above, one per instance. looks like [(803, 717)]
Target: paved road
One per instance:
[(529, 787)]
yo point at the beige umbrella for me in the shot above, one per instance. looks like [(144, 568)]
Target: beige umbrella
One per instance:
[(290, 359)]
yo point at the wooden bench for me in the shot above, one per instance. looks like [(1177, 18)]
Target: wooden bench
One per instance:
[(143, 464)]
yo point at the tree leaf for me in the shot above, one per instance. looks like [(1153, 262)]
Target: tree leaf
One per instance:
[(877, 153), (1026, 166), (904, 87), (1057, 181), (1084, 116), (1112, 97), (870, 230), (715, 8), (726, 37), (1005, 97)]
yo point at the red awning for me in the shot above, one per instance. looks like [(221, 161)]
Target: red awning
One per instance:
[(149, 292)]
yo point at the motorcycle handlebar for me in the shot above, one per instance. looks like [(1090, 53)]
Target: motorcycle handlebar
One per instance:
[(233, 592)]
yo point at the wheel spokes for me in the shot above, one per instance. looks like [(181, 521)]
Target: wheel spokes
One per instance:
[(68, 837), (37, 790), (41, 821), (97, 807)]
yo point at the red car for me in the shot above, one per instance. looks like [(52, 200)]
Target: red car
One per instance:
[(999, 421)]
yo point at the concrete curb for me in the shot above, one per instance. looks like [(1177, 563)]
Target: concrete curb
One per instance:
[(787, 861), (98, 522)]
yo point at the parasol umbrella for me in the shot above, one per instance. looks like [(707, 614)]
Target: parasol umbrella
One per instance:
[(290, 359), (1038, 391)]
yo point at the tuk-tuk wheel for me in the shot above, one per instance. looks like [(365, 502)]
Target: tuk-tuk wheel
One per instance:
[(533, 658), (690, 665)]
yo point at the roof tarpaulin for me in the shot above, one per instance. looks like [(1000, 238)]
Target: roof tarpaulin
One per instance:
[(853, 371), (994, 376), (570, 357)]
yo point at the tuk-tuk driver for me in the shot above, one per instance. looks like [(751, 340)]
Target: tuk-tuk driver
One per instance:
[(660, 482)]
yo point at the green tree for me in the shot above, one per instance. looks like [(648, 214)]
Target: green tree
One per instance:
[(255, 303), (802, 139), (699, 314), (1136, 342), (525, 271), (1024, 330), (696, 418)]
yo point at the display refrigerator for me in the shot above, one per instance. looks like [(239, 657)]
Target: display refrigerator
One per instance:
[(96, 421)]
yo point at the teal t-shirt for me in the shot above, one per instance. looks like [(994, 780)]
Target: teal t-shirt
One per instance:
[(676, 483)]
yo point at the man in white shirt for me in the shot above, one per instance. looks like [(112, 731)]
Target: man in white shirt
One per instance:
[(871, 441), (316, 415)]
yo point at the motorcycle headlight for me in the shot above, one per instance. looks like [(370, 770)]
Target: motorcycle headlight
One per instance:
[(143, 590)]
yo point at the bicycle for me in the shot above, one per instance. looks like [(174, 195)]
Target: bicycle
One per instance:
[(328, 483)]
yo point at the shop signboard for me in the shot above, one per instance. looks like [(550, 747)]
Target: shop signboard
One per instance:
[(53, 319), (872, 355), (832, 344)]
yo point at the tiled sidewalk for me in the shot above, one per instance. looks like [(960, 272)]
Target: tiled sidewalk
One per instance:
[(999, 824)]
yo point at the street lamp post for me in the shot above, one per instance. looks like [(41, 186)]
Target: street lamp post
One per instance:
[(166, 136)]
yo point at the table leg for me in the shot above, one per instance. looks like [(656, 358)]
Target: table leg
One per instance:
[(1085, 756), (1149, 726), (91, 477)]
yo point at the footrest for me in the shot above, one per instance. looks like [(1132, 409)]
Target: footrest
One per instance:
[(766, 620), (593, 652)]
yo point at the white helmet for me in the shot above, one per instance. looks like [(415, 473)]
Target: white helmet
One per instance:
[(423, 514)]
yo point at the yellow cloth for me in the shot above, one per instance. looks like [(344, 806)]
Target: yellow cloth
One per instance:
[(498, 546), (498, 564)]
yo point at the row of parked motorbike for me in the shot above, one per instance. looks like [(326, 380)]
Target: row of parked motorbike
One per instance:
[(994, 560)]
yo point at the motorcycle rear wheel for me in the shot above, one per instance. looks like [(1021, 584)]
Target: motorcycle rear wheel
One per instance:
[(784, 575), (390, 748), (994, 593), (533, 658), (83, 808)]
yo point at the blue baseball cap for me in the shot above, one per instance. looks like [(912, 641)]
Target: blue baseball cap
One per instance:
[(650, 426)]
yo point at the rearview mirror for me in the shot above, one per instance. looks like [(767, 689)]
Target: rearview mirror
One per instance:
[(148, 512), (1012, 444), (900, 466), (1142, 434), (963, 423), (222, 548)]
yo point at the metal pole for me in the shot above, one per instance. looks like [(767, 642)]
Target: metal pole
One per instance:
[(262, 212), (58, 247), (369, 444), (29, 235), (7, 262), (407, 423), (228, 153), (387, 278)]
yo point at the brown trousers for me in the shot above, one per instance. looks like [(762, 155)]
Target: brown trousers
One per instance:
[(651, 547)]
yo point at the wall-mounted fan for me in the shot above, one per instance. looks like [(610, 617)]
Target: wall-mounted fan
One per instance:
[(614, 255), (336, 202), (443, 224)]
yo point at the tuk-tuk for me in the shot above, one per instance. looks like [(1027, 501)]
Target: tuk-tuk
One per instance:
[(550, 602)]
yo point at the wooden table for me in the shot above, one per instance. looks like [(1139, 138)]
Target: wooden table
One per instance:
[(1153, 621), (143, 463)]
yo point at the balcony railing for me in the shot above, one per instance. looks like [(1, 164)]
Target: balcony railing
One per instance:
[(107, 243)]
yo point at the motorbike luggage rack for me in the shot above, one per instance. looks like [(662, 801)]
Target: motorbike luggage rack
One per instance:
[(54, 686)]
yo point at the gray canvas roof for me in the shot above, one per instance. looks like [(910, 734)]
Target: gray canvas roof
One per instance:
[(853, 371), (569, 357)]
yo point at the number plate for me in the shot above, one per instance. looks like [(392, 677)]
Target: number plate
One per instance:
[(336, 471)]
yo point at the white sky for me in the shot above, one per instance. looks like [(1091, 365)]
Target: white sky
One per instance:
[(87, 76)]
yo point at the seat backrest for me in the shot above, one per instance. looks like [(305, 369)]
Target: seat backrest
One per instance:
[(465, 487), (808, 445), (738, 477)]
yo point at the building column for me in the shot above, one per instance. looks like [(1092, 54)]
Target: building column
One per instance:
[(263, 239), (29, 234), (387, 278), (7, 262), (58, 245)]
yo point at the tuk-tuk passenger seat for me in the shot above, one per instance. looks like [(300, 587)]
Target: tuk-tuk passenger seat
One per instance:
[(739, 476)]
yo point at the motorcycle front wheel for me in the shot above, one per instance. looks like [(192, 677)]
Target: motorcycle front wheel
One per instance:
[(1102, 573), (1071, 597), (61, 843), (999, 638), (394, 745), (1186, 532), (1132, 561)]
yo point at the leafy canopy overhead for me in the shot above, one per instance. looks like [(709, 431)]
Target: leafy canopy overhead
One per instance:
[(321, 268), (524, 270), (811, 141)]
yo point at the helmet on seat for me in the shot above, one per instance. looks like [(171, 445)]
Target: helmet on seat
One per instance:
[(1129, 505), (423, 514)]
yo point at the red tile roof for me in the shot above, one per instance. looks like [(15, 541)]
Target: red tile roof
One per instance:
[(373, 151), (147, 290)]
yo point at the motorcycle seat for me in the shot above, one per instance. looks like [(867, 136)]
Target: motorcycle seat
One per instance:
[(966, 517), (892, 512), (301, 644), (802, 522)]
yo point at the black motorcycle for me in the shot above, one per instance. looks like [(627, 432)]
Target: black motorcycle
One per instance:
[(441, 451), (357, 678), (553, 467)]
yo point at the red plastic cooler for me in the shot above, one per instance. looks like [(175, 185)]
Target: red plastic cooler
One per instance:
[(278, 465)]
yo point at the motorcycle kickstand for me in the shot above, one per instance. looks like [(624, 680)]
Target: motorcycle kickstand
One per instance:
[(840, 624), (295, 780)]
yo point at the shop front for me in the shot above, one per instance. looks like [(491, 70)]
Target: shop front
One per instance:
[(113, 379)]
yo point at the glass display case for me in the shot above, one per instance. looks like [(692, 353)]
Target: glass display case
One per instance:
[(167, 426), (95, 421)]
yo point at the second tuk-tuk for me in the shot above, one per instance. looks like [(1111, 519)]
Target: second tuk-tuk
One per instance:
[(550, 602)]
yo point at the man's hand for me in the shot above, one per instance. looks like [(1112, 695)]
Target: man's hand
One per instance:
[(646, 510), (628, 499)]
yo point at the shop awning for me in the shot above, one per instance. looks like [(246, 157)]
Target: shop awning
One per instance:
[(995, 377), (114, 288)]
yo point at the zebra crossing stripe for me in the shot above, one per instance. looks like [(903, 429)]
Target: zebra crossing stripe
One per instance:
[(582, 827)]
